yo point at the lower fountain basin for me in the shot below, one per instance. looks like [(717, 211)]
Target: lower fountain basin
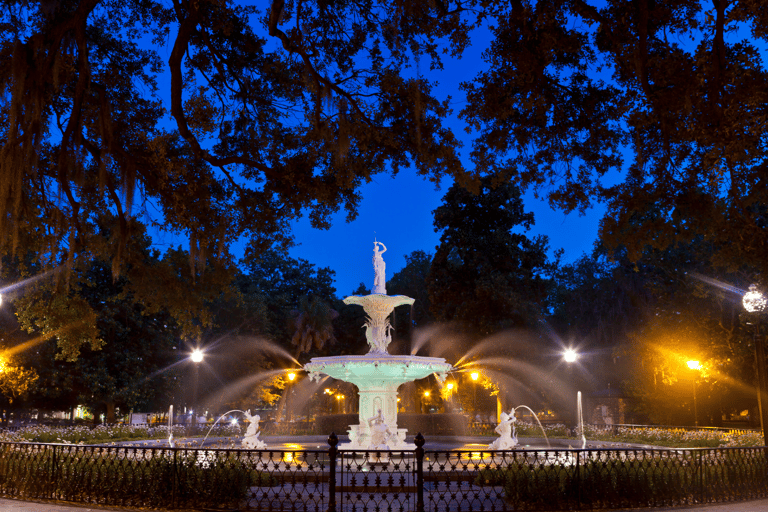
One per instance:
[(377, 377), (373, 370)]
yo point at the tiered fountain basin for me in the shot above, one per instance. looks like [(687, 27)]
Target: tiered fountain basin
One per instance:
[(377, 377)]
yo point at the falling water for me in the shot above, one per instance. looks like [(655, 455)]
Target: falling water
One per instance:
[(537, 421), (170, 427), (580, 420), (217, 422)]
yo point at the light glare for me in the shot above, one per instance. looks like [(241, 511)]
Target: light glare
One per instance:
[(197, 355), (570, 356)]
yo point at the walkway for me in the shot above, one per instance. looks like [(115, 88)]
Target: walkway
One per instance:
[(30, 506)]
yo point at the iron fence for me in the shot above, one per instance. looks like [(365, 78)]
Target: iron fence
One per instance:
[(339, 480)]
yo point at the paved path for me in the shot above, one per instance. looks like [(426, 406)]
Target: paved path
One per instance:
[(31, 506)]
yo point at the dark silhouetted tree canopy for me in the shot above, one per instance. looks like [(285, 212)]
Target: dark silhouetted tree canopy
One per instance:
[(276, 110), (571, 85), (486, 273), (286, 108)]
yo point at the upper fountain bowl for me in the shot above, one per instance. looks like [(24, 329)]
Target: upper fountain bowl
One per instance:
[(379, 302)]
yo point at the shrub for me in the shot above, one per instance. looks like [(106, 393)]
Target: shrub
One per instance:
[(153, 478)]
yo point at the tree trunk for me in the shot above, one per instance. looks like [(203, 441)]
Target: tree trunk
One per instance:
[(111, 419)]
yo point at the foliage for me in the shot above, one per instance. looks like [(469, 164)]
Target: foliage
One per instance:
[(314, 327), (637, 324), (675, 437), (486, 275), (569, 87), (111, 348), (197, 478), (17, 376), (688, 318), (103, 434), (281, 282), (411, 281), (278, 110), (593, 482), (158, 286)]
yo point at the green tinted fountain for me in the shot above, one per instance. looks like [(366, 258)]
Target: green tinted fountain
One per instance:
[(377, 374)]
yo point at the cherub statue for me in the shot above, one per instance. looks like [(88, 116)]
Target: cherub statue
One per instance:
[(379, 432), (251, 439), (507, 440)]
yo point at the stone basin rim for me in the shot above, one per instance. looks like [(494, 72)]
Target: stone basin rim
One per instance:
[(377, 358)]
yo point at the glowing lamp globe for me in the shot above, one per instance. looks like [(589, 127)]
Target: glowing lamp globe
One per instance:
[(197, 355), (753, 300)]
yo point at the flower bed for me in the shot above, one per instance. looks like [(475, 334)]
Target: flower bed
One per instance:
[(104, 433)]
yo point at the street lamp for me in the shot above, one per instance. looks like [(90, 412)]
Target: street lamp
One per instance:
[(286, 402), (423, 402), (474, 376), (755, 302), (196, 357), (695, 365), (570, 356)]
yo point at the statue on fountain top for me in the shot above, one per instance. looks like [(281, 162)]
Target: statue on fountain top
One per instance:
[(378, 305), (380, 280)]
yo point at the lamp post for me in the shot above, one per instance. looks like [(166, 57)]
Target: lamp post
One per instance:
[(291, 378), (570, 356), (423, 402), (196, 357), (755, 302), (695, 365), (474, 376)]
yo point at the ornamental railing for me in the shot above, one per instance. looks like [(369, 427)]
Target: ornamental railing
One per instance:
[(418, 480)]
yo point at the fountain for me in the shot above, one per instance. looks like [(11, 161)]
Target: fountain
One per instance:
[(377, 374)]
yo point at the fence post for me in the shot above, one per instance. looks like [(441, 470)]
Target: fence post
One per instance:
[(54, 483), (702, 476), (419, 442), (332, 453), (174, 478), (578, 480)]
